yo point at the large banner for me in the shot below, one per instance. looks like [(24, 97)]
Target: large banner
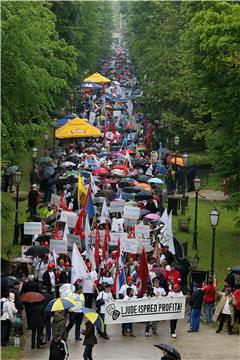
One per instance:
[(144, 309)]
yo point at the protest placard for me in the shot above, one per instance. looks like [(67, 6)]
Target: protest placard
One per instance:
[(117, 235), (32, 228), (60, 246), (131, 212), (71, 239), (142, 231), (117, 206), (117, 225), (146, 243), (144, 309), (130, 222), (69, 217), (55, 200), (129, 245)]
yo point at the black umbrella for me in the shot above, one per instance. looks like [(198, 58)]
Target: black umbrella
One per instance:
[(8, 281), (143, 178), (57, 155), (170, 349), (132, 189), (43, 238), (128, 196), (109, 194), (140, 162), (126, 182), (37, 251), (144, 212), (48, 171), (44, 160), (144, 195)]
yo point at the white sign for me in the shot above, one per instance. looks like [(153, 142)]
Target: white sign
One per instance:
[(117, 206), (55, 200), (60, 246), (117, 225), (71, 239), (117, 113), (131, 212), (146, 244), (117, 235), (69, 217), (32, 228), (144, 309), (92, 117), (66, 290), (130, 222), (142, 231), (130, 245)]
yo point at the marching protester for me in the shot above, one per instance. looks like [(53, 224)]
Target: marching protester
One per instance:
[(58, 348), (195, 302), (174, 293), (129, 326), (89, 340), (209, 299), (100, 302), (76, 314), (225, 310), (8, 315), (89, 286)]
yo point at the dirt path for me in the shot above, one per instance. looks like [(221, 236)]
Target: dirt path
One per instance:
[(211, 195)]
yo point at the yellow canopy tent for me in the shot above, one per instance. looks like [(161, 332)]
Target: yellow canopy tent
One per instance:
[(96, 78), (77, 128)]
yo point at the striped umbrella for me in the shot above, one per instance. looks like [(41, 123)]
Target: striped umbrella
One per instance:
[(60, 304), (95, 319)]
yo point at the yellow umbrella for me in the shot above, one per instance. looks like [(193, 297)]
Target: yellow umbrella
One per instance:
[(97, 78), (77, 128)]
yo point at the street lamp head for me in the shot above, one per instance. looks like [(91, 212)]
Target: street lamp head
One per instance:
[(214, 216), (197, 184), (176, 140), (17, 178), (46, 136), (185, 159), (34, 152)]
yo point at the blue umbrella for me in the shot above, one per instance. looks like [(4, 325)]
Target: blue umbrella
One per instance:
[(91, 85), (65, 120), (155, 181)]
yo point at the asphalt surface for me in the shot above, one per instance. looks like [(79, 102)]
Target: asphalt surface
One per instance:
[(205, 345)]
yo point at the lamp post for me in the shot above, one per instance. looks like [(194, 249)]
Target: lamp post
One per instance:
[(16, 180), (176, 143), (46, 137), (185, 158), (197, 185), (72, 102), (214, 216), (34, 156)]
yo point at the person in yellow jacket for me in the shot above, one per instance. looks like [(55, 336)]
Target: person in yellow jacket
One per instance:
[(48, 211), (76, 315)]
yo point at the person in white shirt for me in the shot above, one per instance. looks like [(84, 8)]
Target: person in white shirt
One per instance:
[(175, 292), (225, 310), (40, 269), (88, 284), (156, 291), (8, 315), (106, 278), (124, 287), (129, 326), (100, 301)]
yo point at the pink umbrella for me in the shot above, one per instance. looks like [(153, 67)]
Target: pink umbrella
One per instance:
[(152, 216)]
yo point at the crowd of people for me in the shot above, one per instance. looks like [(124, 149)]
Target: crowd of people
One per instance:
[(118, 166)]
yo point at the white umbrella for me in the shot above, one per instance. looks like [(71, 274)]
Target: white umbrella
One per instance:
[(67, 164)]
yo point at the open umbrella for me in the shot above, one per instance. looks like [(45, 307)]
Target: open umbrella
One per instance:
[(44, 160), (126, 181), (144, 212), (131, 152), (101, 171), (48, 171), (131, 189), (99, 200), (117, 172), (45, 237), (12, 169), (143, 178), (155, 181), (8, 281), (37, 251), (143, 195), (32, 297), (128, 196), (119, 166), (60, 304), (152, 216), (67, 164), (109, 194), (140, 161), (178, 161), (170, 349), (95, 319)]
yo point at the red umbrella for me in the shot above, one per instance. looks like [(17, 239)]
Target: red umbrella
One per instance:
[(119, 166), (101, 171), (131, 152), (32, 297)]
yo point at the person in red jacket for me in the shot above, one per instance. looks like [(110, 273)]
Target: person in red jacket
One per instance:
[(209, 300), (174, 276), (236, 293)]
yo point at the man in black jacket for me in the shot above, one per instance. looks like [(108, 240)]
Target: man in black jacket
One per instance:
[(50, 280), (58, 348), (65, 276), (196, 305)]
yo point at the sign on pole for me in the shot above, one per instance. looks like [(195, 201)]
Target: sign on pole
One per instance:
[(32, 228), (130, 245), (69, 217), (117, 235), (142, 310), (142, 231), (117, 206), (131, 212), (60, 246)]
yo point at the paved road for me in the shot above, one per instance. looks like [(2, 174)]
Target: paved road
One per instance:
[(205, 345)]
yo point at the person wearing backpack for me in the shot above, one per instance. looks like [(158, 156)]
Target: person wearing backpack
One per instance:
[(100, 302), (8, 314)]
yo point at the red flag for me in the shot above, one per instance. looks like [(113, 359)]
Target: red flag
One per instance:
[(125, 170), (113, 128), (97, 244), (57, 233), (63, 203), (78, 230), (132, 232), (142, 273)]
